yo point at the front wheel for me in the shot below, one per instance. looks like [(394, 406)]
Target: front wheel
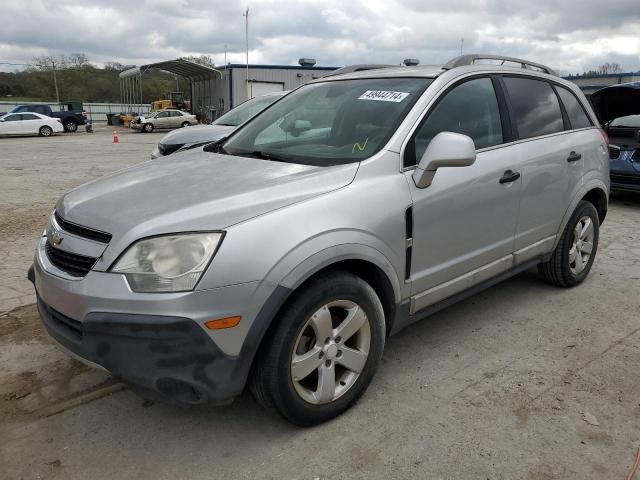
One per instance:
[(45, 131), (324, 351), (147, 127), (573, 257)]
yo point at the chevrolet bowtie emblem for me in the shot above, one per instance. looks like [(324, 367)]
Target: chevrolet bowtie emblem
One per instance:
[(55, 238)]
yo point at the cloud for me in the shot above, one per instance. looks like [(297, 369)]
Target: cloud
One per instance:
[(569, 36)]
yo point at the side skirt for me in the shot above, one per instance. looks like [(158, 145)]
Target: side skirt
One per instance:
[(404, 317)]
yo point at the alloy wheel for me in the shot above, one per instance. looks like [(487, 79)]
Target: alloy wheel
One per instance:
[(330, 352), (582, 246)]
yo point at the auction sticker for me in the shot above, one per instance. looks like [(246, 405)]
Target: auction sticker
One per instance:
[(383, 96)]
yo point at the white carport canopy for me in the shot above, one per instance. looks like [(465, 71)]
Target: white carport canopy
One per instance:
[(202, 82)]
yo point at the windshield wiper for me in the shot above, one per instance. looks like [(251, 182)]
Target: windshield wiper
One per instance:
[(268, 156), (216, 147)]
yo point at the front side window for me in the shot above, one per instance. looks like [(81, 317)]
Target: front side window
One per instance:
[(162, 115), (12, 118), (577, 116), (535, 107), (329, 123), (245, 111), (471, 109)]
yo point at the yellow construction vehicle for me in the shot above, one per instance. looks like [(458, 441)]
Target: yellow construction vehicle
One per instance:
[(175, 100)]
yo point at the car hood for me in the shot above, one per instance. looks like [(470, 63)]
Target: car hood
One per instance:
[(202, 191), (197, 134), (616, 101)]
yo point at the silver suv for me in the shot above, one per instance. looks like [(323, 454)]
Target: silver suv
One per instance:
[(284, 256)]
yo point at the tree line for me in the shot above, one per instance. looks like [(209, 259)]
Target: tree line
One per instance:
[(74, 78)]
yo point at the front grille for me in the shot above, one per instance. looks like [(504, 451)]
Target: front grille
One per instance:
[(168, 149), (625, 179), (81, 231), (72, 263), (68, 326)]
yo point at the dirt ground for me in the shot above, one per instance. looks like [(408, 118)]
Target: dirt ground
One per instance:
[(523, 381)]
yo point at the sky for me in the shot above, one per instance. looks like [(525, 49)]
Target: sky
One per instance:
[(570, 36)]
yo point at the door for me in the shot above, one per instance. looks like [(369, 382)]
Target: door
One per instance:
[(262, 88), (162, 120), (552, 165), (31, 123), (12, 124), (463, 223), (175, 119)]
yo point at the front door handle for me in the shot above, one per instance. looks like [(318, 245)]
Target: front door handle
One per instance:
[(573, 157), (509, 176)]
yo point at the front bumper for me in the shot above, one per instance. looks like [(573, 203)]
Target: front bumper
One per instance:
[(623, 182), (135, 126), (156, 343)]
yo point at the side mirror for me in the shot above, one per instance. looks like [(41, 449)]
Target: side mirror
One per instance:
[(446, 149)]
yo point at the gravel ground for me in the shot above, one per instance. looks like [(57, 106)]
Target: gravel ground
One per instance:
[(521, 381)]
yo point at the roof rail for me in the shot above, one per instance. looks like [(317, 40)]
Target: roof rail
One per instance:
[(471, 59), (359, 68)]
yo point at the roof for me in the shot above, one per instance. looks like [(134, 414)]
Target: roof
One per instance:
[(275, 67), (182, 67)]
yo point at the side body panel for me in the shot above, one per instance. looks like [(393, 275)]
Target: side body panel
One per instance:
[(465, 219)]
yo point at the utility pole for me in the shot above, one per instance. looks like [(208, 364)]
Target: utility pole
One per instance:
[(246, 17), (225, 53), (461, 45)]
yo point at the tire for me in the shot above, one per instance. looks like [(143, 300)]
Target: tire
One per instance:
[(573, 257), (45, 131), (273, 381), (70, 126), (185, 124), (147, 127)]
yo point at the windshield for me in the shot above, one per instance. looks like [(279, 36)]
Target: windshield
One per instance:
[(329, 123), (628, 121), (245, 110)]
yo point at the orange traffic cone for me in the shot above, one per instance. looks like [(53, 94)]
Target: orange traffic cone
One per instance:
[(115, 137)]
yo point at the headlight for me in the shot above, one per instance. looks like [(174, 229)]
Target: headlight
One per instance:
[(170, 263)]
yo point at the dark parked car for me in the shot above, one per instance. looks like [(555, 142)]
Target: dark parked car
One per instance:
[(71, 115), (618, 108)]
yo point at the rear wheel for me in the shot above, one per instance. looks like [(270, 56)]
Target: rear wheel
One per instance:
[(147, 127), (574, 255), (70, 126), (185, 124), (324, 351), (45, 131)]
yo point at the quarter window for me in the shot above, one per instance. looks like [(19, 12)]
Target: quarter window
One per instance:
[(471, 109), (575, 112), (535, 107)]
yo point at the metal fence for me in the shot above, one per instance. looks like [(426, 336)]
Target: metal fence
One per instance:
[(97, 112)]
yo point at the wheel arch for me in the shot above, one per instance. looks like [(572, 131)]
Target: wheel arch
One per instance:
[(594, 191)]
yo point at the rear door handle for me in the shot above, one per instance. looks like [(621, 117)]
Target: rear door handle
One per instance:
[(509, 176), (573, 157)]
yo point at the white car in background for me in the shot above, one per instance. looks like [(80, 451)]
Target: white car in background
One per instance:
[(29, 123)]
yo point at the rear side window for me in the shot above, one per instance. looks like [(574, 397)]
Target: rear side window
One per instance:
[(535, 107), (29, 116), (471, 108), (575, 112)]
